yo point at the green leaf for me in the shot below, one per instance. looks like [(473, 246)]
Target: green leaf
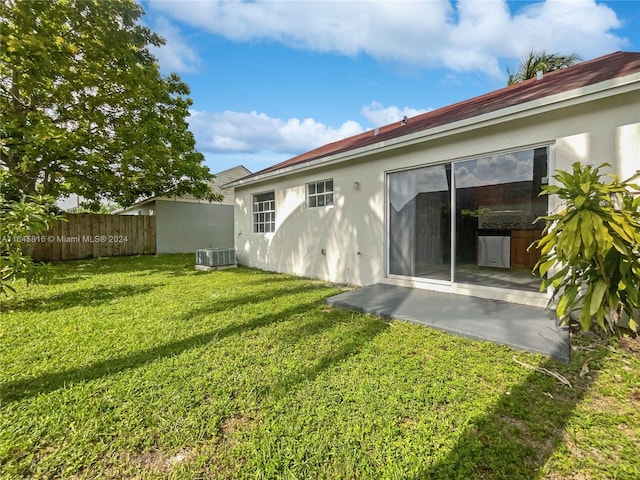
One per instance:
[(622, 285), (555, 280), (544, 268), (603, 238), (585, 316), (545, 239), (564, 177), (634, 297), (548, 244), (600, 318), (620, 246), (566, 300), (624, 234), (551, 189), (586, 233), (597, 296), (579, 202)]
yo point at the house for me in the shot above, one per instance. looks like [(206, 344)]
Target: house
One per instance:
[(446, 200), (185, 224)]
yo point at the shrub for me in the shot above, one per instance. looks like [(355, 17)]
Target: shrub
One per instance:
[(590, 251), (21, 219)]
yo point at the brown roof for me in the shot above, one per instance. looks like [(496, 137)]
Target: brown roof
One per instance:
[(583, 74)]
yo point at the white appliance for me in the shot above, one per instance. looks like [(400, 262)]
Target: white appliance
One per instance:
[(494, 251)]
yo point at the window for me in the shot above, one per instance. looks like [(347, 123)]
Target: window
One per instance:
[(320, 194), (264, 212)]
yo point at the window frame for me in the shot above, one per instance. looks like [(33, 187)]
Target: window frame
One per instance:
[(263, 213), (315, 197)]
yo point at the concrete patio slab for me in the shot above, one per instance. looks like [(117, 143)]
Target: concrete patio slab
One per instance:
[(518, 326)]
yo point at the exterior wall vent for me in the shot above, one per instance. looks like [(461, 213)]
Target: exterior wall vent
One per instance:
[(216, 258)]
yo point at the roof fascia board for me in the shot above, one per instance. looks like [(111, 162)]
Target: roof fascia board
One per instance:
[(608, 88), (177, 199), (134, 206)]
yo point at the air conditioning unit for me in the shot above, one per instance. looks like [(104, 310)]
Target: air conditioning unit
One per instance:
[(215, 258)]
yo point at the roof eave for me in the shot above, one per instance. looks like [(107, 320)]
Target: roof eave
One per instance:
[(133, 206)]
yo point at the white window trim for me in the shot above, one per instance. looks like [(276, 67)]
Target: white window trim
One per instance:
[(268, 226), (324, 194)]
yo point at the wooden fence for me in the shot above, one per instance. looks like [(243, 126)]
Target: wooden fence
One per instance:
[(89, 235)]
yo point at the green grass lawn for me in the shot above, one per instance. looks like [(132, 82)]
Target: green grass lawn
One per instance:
[(144, 368)]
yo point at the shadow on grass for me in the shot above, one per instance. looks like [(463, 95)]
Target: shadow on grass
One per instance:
[(172, 264), (15, 391), (92, 296), (518, 436), (99, 294), (221, 304), (64, 278), (367, 329)]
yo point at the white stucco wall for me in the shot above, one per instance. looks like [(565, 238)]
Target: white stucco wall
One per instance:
[(352, 232), (184, 227), (352, 254)]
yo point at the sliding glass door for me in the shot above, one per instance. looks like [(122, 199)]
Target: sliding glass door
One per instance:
[(420, 222), (496, 202)]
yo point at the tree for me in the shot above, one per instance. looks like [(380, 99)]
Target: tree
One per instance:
[(591, 250), (85, 109), (540, 61)]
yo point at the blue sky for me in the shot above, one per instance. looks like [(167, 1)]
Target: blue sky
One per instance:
[(272, 79)]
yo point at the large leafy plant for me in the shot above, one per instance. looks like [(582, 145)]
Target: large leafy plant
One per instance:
[(21, 222), (590, 250)]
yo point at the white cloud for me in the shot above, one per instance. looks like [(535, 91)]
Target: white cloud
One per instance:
[(463, 35), (175, 55), (580, 25), (380, 115), (238, 132), (242, 132)]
